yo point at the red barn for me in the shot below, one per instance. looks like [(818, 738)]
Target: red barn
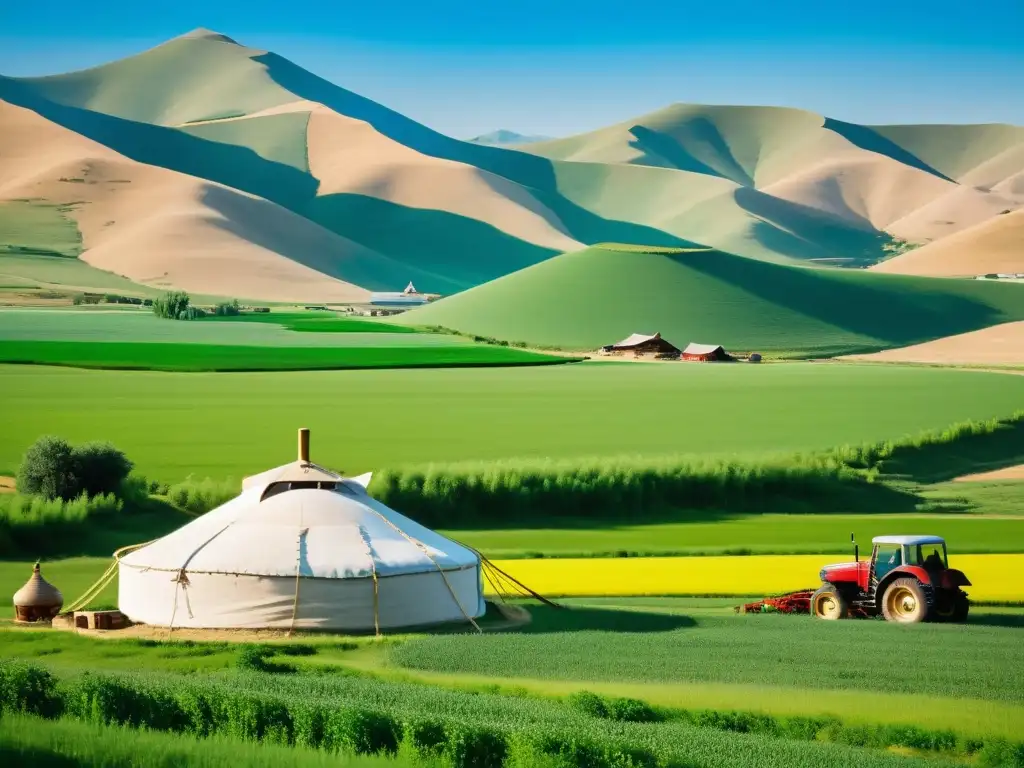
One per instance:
[(705, 353)]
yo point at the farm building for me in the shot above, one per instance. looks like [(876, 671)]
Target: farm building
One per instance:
[(409, 297), (301, 548), (705, 353), (641, 344)]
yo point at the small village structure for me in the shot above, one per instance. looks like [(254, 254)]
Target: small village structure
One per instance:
[(640, 344), (705, 353), (410, 297)]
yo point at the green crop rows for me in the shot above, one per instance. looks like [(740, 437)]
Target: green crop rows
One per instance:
[(358, 715)]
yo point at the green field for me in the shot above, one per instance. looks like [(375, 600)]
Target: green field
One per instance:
[(208, 357), (722, 534), (38, 228), (560, 411), (601, 295)]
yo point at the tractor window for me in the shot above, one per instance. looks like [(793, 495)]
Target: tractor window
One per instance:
[(930, 556), (887, 557)]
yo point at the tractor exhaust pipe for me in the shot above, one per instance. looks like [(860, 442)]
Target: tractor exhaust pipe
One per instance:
[(856, 549)]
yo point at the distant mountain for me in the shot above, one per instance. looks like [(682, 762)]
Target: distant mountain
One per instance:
[(207, 165), (501, 137)]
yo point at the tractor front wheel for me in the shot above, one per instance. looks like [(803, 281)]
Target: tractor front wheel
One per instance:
[(829, 603), (904, 601)]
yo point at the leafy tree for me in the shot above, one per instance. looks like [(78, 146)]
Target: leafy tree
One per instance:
[(172, 306), (48, 469)]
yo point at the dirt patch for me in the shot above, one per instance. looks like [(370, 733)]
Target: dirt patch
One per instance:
[(998, 345), (1006, 473), (7, 484)]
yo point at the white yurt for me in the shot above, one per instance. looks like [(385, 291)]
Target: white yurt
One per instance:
[(301, 548)]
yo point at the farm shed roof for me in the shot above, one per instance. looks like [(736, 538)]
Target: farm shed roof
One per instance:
[(701, 349), (636, 339)]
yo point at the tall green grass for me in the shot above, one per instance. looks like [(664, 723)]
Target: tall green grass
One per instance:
[(33, 526), (200, 496), (363, 716), (30, 741), (509, 492)]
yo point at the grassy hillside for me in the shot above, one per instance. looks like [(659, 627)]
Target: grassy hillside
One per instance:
[(600, 295)]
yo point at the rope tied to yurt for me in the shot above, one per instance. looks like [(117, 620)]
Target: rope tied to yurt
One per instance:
[(103, 581), (180, 582), (524, 590), (365, 539), (298, 580), (422, 547)]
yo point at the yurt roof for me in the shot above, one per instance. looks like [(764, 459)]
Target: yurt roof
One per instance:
[(330, 533)]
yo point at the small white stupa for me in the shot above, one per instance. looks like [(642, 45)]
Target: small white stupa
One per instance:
[(301, 548)]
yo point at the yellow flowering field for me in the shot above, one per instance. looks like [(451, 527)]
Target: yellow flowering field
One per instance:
[(995, 577)]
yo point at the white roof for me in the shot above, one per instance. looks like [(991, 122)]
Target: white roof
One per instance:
[(410, 288), (701, 349), (328, 534), (908, 540), (635, 339)]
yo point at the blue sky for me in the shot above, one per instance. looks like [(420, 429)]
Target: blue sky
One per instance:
[(562, 66)]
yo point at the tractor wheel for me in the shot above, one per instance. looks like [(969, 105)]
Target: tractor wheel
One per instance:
[(951, 607), (904, 601), (829, 603)]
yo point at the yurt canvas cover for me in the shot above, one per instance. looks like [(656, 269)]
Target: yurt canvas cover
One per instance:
[(285, 555)]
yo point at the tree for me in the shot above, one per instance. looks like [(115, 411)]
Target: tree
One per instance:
[(48, 469), (53, 468), (172, 306)]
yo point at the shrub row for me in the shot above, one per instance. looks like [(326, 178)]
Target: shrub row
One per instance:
[(613, 488), (200, 496)]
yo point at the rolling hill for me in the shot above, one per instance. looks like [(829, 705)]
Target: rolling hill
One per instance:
[(599, 295), (994, 246), (345, 195), (503, 137)]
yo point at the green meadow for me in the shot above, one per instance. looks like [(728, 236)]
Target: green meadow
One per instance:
[(203, 424)]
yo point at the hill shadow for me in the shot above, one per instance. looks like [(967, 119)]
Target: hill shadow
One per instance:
[(531, 171), (855, 301), (701, 130), (453, 252), (872, 141), (823, 232), (232, 165)]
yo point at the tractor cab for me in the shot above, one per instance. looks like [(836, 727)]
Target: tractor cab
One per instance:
[(891, 552), (907, 579)]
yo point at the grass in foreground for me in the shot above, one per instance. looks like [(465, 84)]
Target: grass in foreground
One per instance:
[(559, 411), (199, 357), (27, 740), (772, 651)]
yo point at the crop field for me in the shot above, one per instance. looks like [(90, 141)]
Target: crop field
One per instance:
[(209, 357), (565, 411), (138, 340), (301, 704)]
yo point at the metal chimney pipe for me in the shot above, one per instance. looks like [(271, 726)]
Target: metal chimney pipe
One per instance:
[(304, 445)]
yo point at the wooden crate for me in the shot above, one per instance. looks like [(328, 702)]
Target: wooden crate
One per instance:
[(100, 620)]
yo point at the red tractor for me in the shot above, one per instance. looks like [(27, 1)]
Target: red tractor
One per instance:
[(908, 579)]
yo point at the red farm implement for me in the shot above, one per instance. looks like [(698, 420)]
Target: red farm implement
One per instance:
[(907, 580)]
